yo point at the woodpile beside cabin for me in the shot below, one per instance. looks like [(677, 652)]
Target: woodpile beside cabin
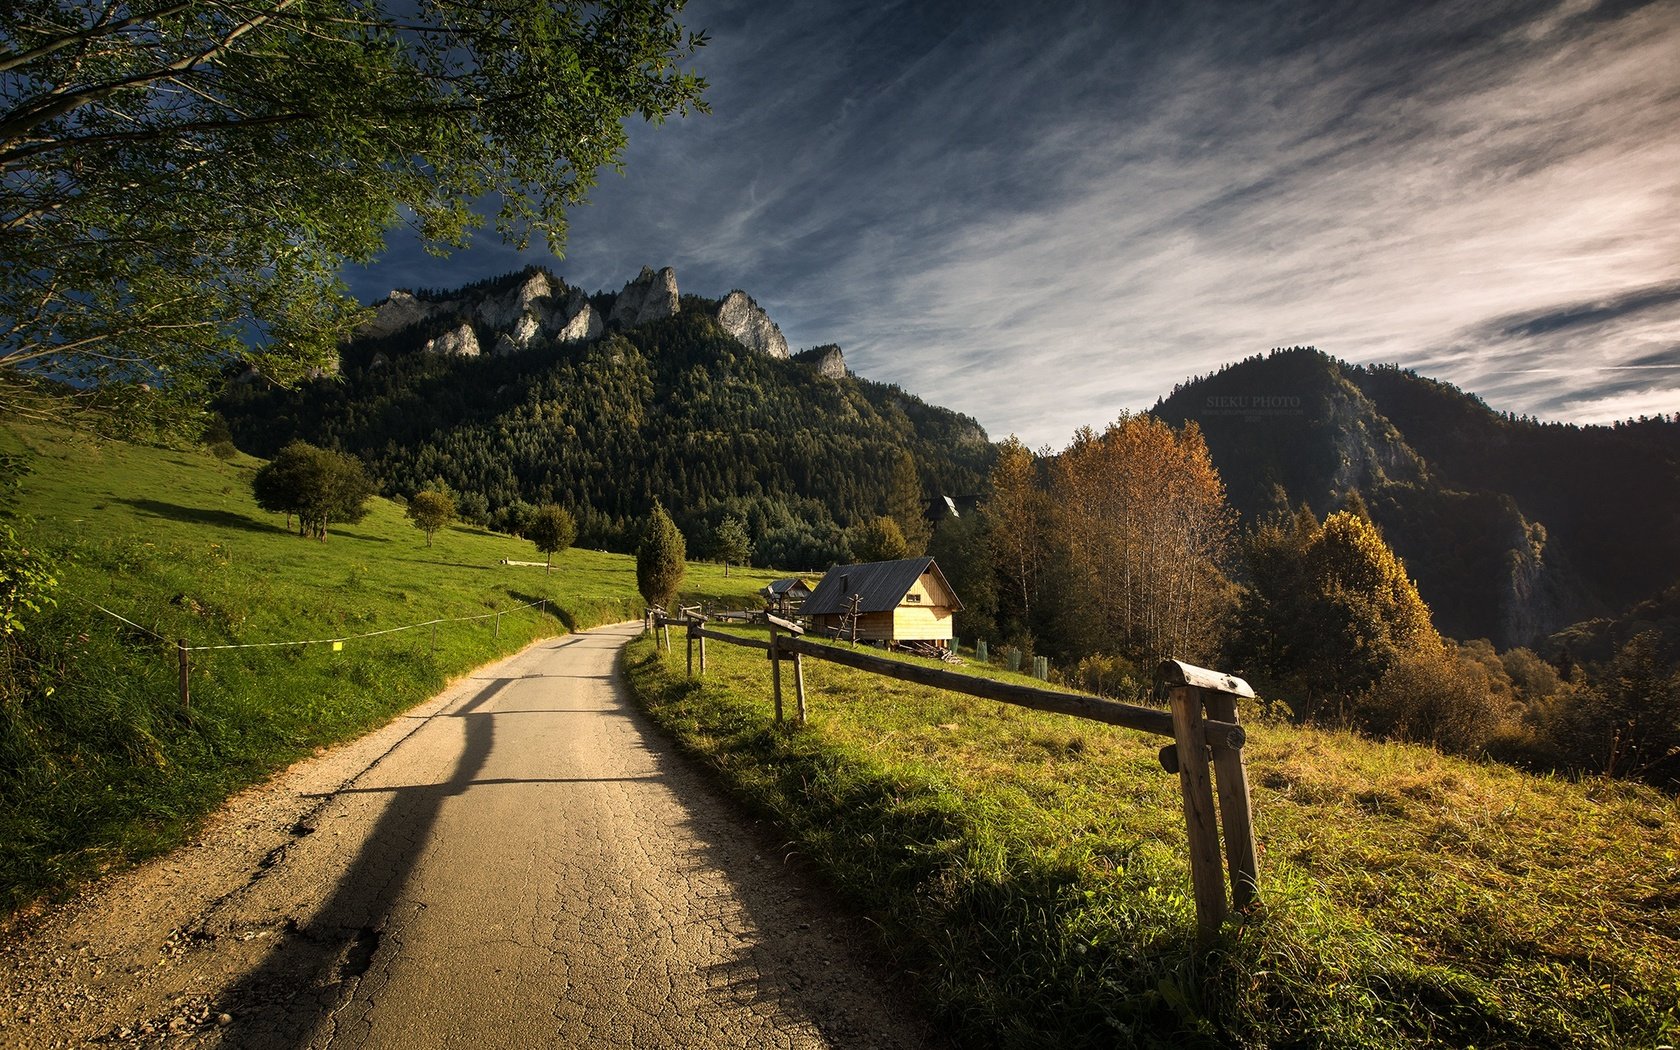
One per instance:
[(896, 601)]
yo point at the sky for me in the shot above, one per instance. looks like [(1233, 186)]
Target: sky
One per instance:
[(1044, 214)]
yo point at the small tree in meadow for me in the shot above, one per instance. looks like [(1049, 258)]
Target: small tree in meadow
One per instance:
[(730, 543), (431, 510), (552, 529), (319, 486), (660, 559)]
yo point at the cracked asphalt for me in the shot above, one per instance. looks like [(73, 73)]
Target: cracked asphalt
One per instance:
[(522, 861)]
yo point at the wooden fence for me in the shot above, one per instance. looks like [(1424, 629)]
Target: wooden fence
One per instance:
[(1201, 719)]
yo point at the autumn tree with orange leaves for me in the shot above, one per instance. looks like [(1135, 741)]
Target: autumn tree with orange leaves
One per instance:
[(1143, 534)]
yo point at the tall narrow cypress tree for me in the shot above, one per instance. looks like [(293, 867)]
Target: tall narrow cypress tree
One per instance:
[(660, 559)]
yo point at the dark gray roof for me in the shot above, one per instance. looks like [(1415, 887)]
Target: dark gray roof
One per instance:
[(883, 585), (784, 586)]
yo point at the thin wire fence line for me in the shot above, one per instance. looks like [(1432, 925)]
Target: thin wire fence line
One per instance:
[(118, 616), (314, 641)]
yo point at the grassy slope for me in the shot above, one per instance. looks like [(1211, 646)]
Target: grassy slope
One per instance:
[(1028, 868), (107, 767)]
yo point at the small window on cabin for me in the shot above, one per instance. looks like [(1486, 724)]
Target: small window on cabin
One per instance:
[(912, 597)]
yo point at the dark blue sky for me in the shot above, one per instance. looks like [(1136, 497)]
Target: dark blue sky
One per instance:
[(1043, 214)]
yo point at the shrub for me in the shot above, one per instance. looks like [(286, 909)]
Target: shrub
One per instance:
[(1441, 695)]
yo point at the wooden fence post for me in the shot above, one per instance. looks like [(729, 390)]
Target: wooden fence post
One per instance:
[(498, 623), (183, 667), (691, 648), (1207, 875), (799, 686), (702, 655), (1236, 819), (776, 674)]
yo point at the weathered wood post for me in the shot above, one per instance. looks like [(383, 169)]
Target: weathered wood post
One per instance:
[(777, 627), (702, 654), (799, 687), (183, 667), (690, 647), (775, 671), (1195, 693), (1236, 813), (1207, 880), (498, 623)]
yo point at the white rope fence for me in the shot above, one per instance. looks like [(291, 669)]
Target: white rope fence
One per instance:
[(182, 649)]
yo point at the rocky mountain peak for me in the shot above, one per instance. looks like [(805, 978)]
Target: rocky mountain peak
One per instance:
[(457, 342), (398, 311), (651, 296), (742, 318), (826, 359)]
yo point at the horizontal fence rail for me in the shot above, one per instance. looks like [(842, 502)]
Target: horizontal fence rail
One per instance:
[(1201, 719)]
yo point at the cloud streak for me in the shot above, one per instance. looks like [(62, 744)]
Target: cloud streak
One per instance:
[(1044, 214)]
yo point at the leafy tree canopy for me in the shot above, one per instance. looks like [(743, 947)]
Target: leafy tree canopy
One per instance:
[(181, 180), (431, 510), (1329, 609), (879, 539), (318, 486), (552, 529)]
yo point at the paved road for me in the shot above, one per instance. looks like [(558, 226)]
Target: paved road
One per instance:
[(520, 862)]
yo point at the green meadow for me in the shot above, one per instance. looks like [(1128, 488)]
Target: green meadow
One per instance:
[(99, 762), (1028, 870)]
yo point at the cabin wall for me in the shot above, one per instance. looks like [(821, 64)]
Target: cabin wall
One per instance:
[(921, 623), (904, 624)]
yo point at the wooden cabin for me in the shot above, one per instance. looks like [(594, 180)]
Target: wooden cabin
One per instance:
[(785, 597), (897, 601)]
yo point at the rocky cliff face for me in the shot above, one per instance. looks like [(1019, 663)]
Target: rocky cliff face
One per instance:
[(537, 311), (826, 359), (534, 309), (402, 310), (649, 297), (743, 319), (457, 342)]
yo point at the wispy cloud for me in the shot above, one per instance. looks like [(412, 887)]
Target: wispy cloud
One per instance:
[(1045, 214)]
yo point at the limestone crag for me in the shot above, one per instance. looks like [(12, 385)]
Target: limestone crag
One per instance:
[(584, 326), (742, 318), (531, 299), (457, 342), (401, 310), (540, 309), (650, 297), (524, 334), (826, 359)]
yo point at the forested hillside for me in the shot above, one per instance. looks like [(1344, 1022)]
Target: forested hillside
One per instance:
[(1512, 528), (675, 410)]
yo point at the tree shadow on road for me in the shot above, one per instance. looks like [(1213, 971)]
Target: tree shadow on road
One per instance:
[(307, 976), (305, 991)]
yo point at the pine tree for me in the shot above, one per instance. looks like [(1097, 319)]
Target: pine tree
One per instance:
[(730, 543), (907, 505)]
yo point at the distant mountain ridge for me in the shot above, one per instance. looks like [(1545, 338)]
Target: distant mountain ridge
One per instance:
[(1512, 528), (524, 389)]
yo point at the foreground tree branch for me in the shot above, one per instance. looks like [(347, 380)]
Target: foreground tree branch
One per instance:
[(185, 173)]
